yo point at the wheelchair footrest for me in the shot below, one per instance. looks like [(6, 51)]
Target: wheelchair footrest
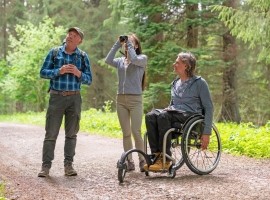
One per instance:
[(159, 171)]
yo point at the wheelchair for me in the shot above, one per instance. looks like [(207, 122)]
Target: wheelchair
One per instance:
[(185, 149)]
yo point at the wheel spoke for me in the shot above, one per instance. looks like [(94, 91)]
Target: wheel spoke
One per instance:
[(198, 160)]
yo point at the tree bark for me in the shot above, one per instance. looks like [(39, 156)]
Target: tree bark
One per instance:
[(192, 31), (230, 107), (4, 29)]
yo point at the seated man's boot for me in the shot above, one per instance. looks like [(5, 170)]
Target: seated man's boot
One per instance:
[(44, 171), (156, 157), (158, 165), (69, 170), (145, 167)]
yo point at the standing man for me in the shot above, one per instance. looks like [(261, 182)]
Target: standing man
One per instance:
[(67, 67)]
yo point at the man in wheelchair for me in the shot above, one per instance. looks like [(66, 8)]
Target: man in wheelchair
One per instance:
[(189, 95)]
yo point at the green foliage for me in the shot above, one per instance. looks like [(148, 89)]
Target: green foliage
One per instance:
[(33, 118), (22, 82), (102, 122), (100, 39), (98, 122), (162, 27), (3, 69), (2, 191), (245, 139), (108, 106), (156, 94), (249, 23), (4, 99)]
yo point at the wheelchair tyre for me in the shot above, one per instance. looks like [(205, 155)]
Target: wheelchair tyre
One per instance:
[(177, 152), (198, 161), (146, 173), (172, 172), (122, 172)]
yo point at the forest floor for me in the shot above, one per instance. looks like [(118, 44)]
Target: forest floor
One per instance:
[(95, 161)]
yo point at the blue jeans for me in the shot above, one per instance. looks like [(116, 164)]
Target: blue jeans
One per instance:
[(59, 106)]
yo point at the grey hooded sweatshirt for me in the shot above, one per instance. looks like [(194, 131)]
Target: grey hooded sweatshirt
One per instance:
[(129, 75), (195, 98)]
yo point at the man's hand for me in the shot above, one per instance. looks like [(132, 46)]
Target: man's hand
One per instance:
[(205, 139), (72, 69)]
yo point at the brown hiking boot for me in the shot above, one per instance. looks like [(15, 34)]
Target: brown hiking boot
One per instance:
[(158, 165), (156, 157), (145, 167), (69, 170), (44, 171)]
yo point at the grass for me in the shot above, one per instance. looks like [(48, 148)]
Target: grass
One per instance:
[(245, 139), (2, 191), (237, 139)]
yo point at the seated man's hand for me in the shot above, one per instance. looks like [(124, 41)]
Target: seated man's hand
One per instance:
[(205, 139), (166, 109)]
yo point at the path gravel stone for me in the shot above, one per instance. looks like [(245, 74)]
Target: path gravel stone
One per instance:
[(95, 162)]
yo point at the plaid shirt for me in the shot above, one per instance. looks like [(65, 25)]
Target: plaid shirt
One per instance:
[(66, 82)]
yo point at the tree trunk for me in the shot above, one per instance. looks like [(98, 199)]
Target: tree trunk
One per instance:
[(4, 30), (230, 108), (192, 31)]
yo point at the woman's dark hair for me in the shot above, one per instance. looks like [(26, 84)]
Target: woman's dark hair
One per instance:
[(137, 42), (190, 61), (138, 51)]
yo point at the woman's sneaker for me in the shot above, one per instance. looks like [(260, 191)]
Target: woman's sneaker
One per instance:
[(142, 166), (130, 165)]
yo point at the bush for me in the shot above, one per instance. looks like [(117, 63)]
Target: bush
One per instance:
[(245, 139)]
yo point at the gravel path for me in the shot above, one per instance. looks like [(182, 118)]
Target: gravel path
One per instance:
[(95, 162)]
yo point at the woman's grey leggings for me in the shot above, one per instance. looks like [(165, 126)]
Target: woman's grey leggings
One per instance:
[(130, 112)]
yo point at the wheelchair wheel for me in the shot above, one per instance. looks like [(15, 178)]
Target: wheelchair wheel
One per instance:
[(198, 161), (122, 169), (176, 152), (122, 163), (146, 173), (172, 172)]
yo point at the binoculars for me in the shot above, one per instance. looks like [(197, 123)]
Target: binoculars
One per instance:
[(123, 38)]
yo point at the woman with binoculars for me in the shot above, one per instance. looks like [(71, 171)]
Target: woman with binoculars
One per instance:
[(131, 79)]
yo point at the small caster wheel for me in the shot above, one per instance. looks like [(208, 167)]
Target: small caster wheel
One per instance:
[(146, 173), (172, 172), (122, 169)]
